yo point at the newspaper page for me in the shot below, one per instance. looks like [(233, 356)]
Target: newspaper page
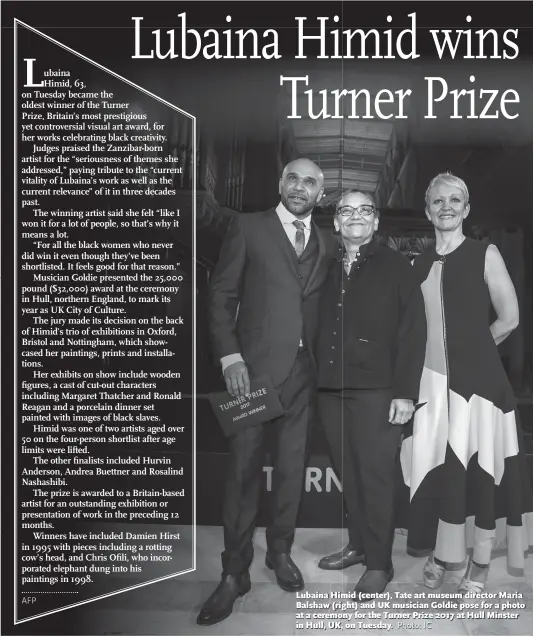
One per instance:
[(209, 211)]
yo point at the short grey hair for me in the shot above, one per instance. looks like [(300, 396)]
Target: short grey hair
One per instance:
[(450, 180), (355, 191)]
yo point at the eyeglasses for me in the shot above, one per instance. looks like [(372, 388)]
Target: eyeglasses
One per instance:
[(363, 211)]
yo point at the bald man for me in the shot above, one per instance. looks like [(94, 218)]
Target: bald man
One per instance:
[(263, 321)]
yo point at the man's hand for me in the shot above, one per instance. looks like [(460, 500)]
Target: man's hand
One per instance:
[(236, 378), (400, 411)]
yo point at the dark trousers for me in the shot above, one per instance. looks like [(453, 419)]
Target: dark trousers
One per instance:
[(364, 447), (243, 483)]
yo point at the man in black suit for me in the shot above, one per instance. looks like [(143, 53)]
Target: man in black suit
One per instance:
[(264, 315)]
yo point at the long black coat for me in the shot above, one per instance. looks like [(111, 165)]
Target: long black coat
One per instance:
[(372, 324)]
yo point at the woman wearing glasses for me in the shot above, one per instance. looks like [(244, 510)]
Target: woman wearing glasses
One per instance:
[(370, 358), (464, 463)]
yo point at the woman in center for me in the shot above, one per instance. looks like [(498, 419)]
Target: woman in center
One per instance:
[(370, 358)]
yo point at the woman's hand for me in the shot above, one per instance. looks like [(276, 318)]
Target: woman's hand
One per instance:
[(400, 411), (502, 295)]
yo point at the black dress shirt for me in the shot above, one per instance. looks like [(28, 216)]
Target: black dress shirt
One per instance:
[(372, 331)]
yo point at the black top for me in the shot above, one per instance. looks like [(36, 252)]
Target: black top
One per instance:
[(372, 330), (458, 297)]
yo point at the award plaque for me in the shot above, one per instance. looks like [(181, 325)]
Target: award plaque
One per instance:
[(259, 406)]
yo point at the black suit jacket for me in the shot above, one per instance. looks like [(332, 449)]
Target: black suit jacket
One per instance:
[(258, 306)]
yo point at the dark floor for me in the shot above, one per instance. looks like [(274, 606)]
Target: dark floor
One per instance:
[(170, 607)]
